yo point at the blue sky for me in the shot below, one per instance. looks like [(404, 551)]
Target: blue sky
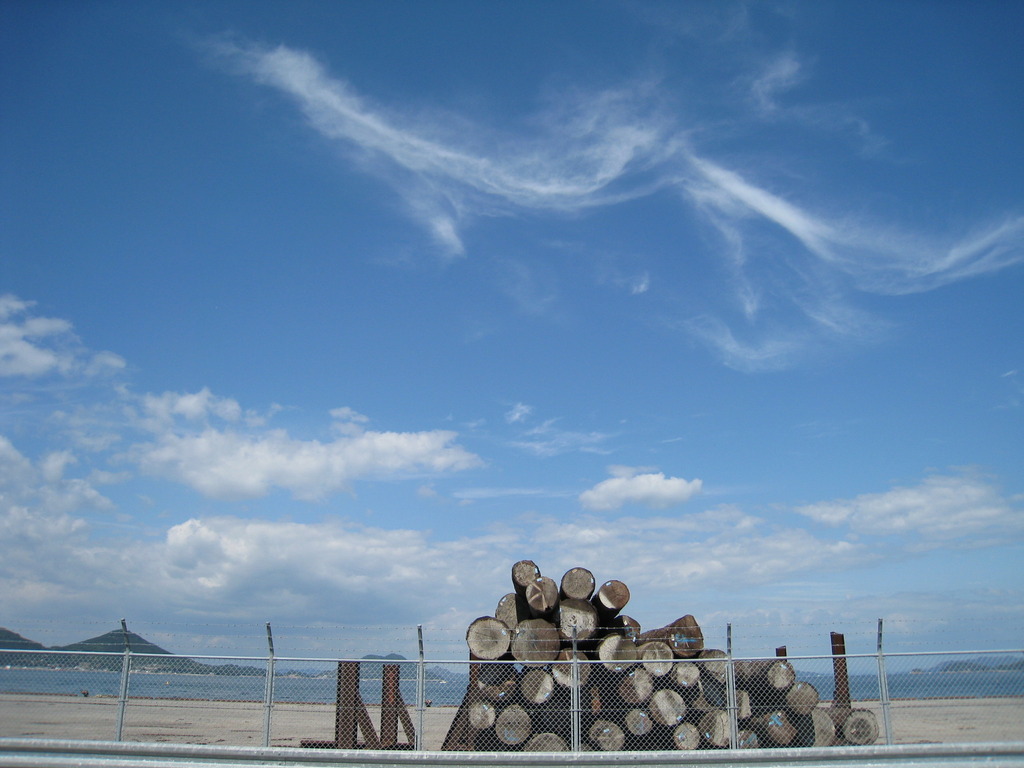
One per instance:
[(320, 312)]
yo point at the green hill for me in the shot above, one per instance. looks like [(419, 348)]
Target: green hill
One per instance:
[(14, 642)]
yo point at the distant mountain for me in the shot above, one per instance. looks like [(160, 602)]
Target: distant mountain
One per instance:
[(113, 642), (15, 642)]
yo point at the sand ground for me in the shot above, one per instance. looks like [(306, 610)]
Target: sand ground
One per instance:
[(241, 723)]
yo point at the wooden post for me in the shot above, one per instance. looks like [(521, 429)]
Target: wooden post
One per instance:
[(780, 652), (345, 705), (389, 706), (841, 697)]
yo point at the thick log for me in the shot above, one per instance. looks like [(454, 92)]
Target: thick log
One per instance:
[(536, 686), (610, 598), (686, 736), (545, 742), (579, 614), (713, 664), (536, 640), (488, 638), (617, 652), (824, 728), (638, 722), (561, 671), (577, 584), (513, 725), (512, 609), (656, 657), (777, 727), (859, 727), (497, 682), (683, 636), (714, 728), (606, 735), (636, 686), (523, 573), (482, 715), (802, 698), (686, 675), (627, 626), (766, 680), (667, 707), (542, 597)]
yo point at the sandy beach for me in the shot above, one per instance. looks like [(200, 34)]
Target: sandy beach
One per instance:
[(241, 723)]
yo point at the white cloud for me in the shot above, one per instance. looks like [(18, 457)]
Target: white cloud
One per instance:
[(518, 412), (962, 510), (547, 440), (233, 465), (651, 489)]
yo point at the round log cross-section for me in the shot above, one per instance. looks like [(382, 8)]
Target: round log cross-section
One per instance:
[(524, 572), (545, 742), (610, 599), (667, 707), (606, 735), (536, 686), (802, 697), (488, 638), (536, 640), (577, 584), (574, 613), (562, 670), (860, 727), (513, 725), (686, 736), (617, 652), (542, 597), (512, 609), (656, 657)]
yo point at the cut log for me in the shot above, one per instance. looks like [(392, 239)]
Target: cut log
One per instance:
[(497, 682), (765, 679), (686, 736), (606, 735), (667, 707), (656, 657), (859, 727), (713, 664), (638, 722), (747, 739), (636, 686), (617, 652), (610, 599), (626, 625), (536, 640), (743, 710), (562, 670), (579, 614), (686, 675), (524, 572), (512, 725), (545, 742), (802, 698), (536, 686), (777, 728), (683, 636), (824, 728), (714, 728), (482, 715), (542, 597), (512, 609), (577, 584), (488, 638)]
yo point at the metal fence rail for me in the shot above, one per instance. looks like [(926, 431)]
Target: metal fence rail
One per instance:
[(638, 702)]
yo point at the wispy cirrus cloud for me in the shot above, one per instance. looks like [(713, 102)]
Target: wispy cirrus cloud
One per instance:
[(796, 269)]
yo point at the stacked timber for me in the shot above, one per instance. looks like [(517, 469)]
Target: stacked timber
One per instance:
[(553, 649)]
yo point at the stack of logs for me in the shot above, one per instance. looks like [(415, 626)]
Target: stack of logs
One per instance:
[(634, 694)]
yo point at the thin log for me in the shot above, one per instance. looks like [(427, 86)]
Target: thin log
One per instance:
[(743, 710), (714, 728), (545, 742), (542, 597), (747, 739), (667, 707), (610, 598), (617, 652), (536, 686), (576, 613), (513, 725), (512, 609), (577, 584), (686, 736), (636, 686), (536, 640), (488, 638), (389, 705), (656, 657), (562, 670), (606, 735)]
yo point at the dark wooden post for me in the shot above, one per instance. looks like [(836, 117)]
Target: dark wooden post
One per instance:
[(389, 704), (346, 703), (780, 652), (841, 697)]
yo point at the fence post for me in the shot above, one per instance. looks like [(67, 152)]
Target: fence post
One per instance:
[(268, 691), (126, 664), (574, 697), (730, 690), (883, 689), (421, 691)]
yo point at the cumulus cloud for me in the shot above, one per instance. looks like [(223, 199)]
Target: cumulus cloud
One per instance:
[(963, 509), (628, 486)]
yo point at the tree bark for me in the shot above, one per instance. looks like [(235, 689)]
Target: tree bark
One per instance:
[(577, 584), (512, 609), (683, 636), (488, 638)]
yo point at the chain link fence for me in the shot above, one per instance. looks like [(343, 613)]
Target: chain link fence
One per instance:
[(639, 698)]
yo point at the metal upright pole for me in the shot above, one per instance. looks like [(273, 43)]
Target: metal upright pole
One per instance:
[(574, 697), (126, 665), (883, 689), (268, 691), (730, 691), (421, 690)]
